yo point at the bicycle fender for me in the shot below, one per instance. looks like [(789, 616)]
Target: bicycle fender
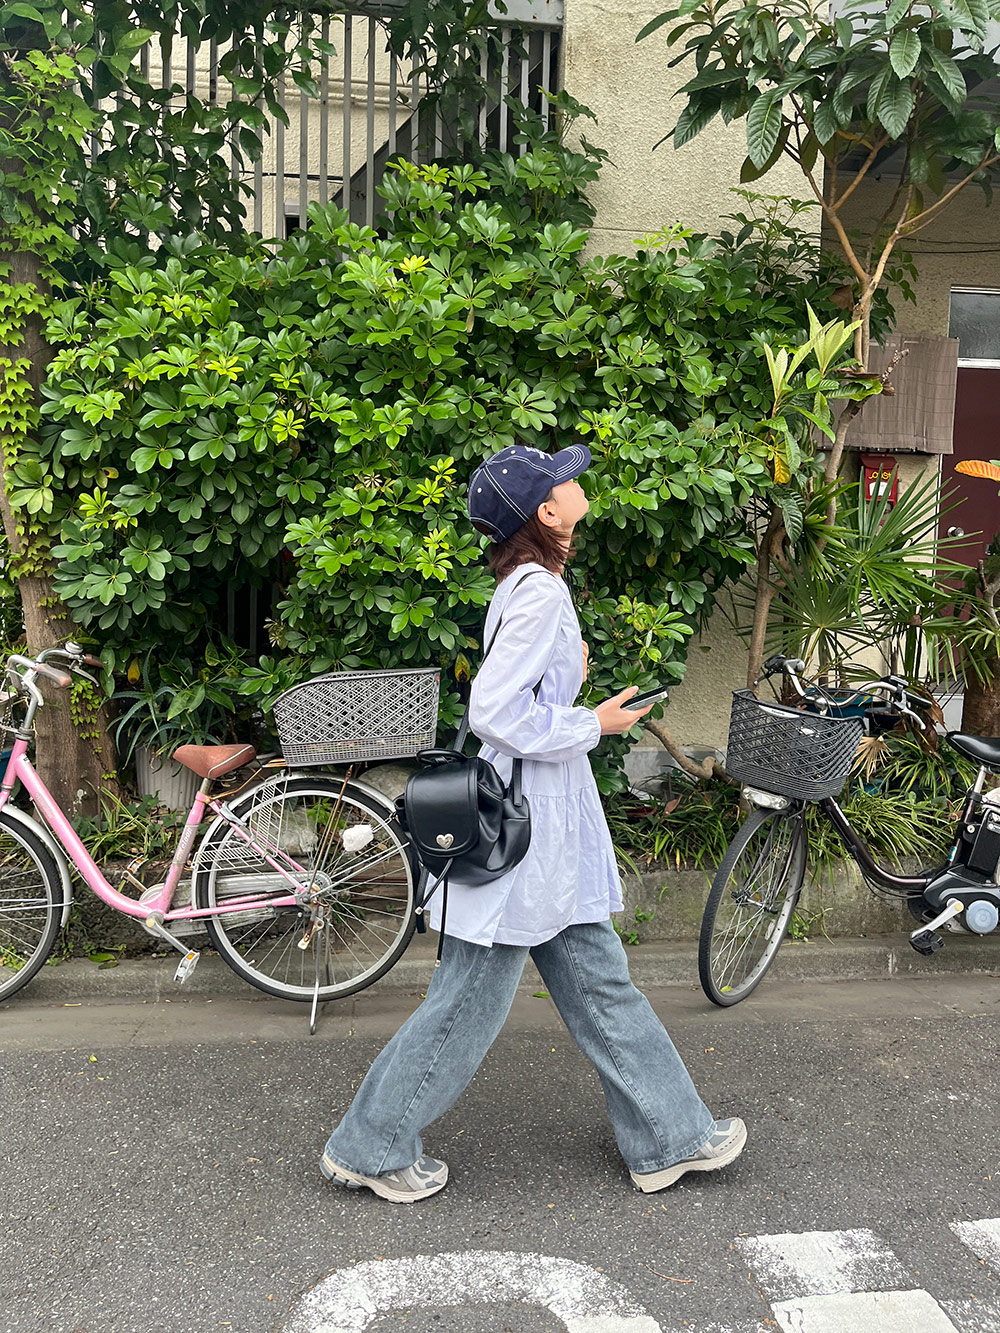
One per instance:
[(275, 781), (43, 833), (374, 794)]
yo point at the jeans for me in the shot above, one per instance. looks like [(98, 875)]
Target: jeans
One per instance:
[(657, 1115)]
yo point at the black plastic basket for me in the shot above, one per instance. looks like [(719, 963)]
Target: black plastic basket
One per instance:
[(784, 750)]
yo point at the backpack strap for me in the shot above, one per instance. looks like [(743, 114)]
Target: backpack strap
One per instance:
[(463, 730), (441, 882)]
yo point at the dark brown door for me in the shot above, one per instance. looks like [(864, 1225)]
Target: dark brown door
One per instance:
[(977, 435)]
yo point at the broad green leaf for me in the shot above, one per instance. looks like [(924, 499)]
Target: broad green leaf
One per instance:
[(696, 115), (764, 121), (969, 15), (133, 39), (895, 106), (845, 32), (904, 52), (714, 77), (655, 24), (792, 513), (750, 171), (825, 123), (949, 74), (843, 100)]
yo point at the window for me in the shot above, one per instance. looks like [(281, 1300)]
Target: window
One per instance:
[(975, 322)]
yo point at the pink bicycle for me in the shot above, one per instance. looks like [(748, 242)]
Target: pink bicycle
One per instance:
[(303, 880)]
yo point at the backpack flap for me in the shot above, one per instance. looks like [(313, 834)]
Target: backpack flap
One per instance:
[(441, 807)]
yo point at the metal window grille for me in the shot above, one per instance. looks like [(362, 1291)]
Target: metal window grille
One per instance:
[(370, 109)]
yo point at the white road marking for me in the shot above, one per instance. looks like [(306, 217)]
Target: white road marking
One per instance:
[(974, 1316), (982, 1238), (613, 1323), (816, 1282), (587, 1302), (864, 1312), (820, 1263)]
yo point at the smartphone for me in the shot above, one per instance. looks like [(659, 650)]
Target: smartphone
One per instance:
[(648, 697)]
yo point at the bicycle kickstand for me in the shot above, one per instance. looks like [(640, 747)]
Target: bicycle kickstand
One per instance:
[(314, 1012), (314, 1015)]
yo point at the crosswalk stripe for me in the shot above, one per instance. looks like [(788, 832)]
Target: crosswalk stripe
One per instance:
[(815, 1282), (612, 1323), (863, 1312), (974, 1316), (982, 1238), (821, 1263)]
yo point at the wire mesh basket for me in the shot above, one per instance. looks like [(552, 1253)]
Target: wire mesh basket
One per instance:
[(348, 716), (784, 750)]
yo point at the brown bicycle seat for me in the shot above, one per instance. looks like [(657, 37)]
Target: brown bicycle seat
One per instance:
[(214, 761)]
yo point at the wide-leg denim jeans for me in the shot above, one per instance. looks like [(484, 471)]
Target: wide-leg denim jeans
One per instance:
[(657, 1115)]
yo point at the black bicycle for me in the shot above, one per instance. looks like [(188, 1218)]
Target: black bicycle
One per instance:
[(788, 757)]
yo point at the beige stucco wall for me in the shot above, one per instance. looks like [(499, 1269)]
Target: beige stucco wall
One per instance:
[(960, 248), (631, 90), (629, 87)]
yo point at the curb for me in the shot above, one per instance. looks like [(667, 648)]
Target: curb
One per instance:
[(651, 965)]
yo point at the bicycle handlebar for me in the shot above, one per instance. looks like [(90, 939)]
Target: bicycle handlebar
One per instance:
[(61, 678), (23, 671), (900, 696), (35, 666)]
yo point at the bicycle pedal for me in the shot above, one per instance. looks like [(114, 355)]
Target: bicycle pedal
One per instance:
[(926, 942), (186, 966)]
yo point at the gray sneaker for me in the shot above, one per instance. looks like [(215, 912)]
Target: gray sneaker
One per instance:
[(727, 1142), (405, 1186)]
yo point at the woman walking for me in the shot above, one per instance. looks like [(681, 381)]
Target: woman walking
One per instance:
[(555, 904)]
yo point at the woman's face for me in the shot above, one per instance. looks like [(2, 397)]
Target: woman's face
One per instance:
[(564, 508)]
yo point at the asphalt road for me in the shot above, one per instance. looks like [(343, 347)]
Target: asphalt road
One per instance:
[(159, 1172)]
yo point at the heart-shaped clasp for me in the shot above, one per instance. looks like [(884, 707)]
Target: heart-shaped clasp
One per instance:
[(445, 839)]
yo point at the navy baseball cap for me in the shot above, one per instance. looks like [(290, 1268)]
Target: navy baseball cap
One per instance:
[(508, 488)]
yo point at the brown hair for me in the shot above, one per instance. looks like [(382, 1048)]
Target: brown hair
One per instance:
[(534, 542)]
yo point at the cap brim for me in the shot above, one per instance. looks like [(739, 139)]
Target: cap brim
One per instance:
[(569, 463)]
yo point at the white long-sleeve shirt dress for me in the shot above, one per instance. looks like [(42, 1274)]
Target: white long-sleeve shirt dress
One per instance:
[(569, 875)]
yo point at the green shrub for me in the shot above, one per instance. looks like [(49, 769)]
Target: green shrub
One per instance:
[(306, 418)]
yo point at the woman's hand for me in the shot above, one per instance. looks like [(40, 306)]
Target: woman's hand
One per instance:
[(586, 659), (615, 719)]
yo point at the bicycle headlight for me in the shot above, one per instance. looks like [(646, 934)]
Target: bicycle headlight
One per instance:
[(766, 800)]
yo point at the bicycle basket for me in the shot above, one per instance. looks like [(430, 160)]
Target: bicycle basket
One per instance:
[(348, 716), (783, 750)]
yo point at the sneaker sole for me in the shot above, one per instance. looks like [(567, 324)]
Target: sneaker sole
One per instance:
[(383, 1188), (660, 1180)]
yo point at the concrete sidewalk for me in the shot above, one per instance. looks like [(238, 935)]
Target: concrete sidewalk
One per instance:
[(652, 965)]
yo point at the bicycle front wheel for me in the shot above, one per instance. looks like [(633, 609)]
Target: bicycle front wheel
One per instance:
[(31, 896), (357, 914), (750, 904)]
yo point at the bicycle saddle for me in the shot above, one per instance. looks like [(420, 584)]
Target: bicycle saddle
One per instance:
[(980, 749), (215, 761)]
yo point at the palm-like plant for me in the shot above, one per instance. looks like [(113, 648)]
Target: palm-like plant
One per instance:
[(870, 579)]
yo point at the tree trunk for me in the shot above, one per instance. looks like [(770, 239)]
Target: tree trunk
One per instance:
[(981, 708), (75, 761), (763, 596)]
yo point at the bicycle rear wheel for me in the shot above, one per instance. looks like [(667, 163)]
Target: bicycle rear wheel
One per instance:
[(31, 895), (750, 904), (362, 888)]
